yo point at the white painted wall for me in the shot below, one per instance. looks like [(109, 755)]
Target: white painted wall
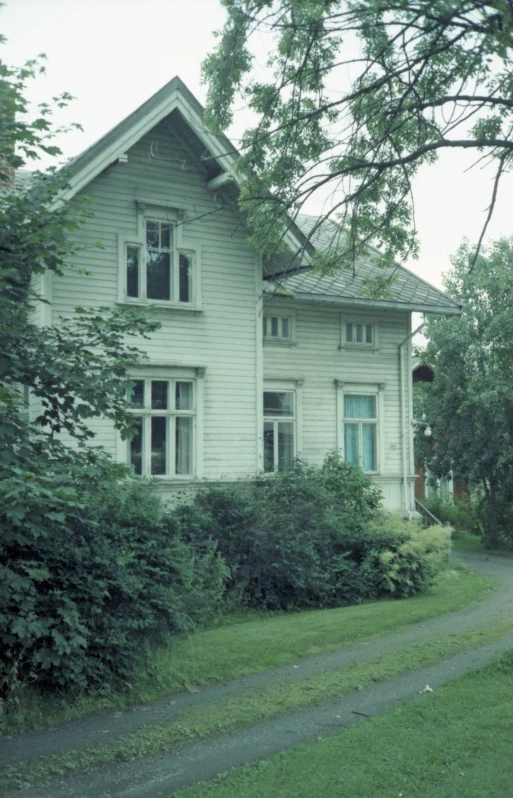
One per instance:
[(222, 336), (225, 336), (318, 359)]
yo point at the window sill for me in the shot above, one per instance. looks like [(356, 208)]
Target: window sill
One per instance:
[(360, 347), (278, 342), (160, 305)]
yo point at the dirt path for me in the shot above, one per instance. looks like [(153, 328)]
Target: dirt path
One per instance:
[(167, 772)]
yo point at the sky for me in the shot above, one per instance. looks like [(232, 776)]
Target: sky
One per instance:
[(112, 55)]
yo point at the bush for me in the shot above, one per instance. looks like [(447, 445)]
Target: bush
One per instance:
[(88, 573), (311, 537), (462, 514)]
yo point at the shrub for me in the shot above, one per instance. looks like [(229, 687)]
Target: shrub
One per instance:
[(89, 571), (311, 537), (463, 514)]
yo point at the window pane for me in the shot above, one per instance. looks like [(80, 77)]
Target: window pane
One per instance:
[(369, 459), (159, 390), (183, 396), (185, 278), (349, 333), (158, 445), (152, 234), (158, 283), (359, 333), (368, 333), (183, 452), (268, 446), (285, 445), (351, 443), (278, 404), (359, 406), (136, 446), (132, 271), (165, 236), (265, 326), (285, 327), (137, 395), (274, 327)]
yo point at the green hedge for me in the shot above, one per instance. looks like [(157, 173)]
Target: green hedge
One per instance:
[(312, 537)]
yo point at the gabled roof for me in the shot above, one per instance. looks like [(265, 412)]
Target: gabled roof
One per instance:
[(173, 97), (405, 290)]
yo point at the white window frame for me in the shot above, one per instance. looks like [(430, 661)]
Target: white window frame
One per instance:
[(359, 345), (284, 386), (271, 312), (148, 212), (172, 375), (362, 389)]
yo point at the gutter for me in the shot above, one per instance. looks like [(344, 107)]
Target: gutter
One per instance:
[(404, 440), (356, 302)]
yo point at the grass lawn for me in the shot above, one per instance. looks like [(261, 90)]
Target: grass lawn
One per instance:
[(235, 712), (465, 541), (453, 743), (248, 643)]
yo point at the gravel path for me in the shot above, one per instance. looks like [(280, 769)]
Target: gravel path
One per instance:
[(161, 775)]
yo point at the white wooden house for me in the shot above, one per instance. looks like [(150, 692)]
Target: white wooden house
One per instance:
[(249, 368)]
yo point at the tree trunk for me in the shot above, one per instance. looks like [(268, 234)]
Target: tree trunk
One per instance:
[(492, 526)]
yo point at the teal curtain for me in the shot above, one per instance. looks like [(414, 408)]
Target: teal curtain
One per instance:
[(351, 448), (369, 447), (359, 406)]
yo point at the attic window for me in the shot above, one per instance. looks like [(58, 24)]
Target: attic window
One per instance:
[(358, 333), (157, 270), (279, 328)]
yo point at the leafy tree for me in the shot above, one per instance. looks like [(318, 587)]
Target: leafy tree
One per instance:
[(470, 401), (52, 495), (426, 76), (77, 368)]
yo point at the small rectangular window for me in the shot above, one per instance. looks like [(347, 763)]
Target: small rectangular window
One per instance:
[(185, 277), (159, 391), (183, 456), (132, 271), (359, 333), (158, 445), (277, 328), (137, 397), (136, 446)]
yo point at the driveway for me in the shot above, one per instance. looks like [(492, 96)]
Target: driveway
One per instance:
[(163, 774)]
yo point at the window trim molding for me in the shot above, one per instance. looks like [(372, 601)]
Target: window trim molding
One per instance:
[(173, 371), (359, 347), (290, 314), (365, 388), (281, 385), (146, 210)]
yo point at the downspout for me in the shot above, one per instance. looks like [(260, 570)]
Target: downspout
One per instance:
[(404, 440)]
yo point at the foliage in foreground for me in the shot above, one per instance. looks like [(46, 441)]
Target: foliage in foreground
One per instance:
[(356, 96), (89, 575), (313, 537), (83, 578), (470, 401)]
